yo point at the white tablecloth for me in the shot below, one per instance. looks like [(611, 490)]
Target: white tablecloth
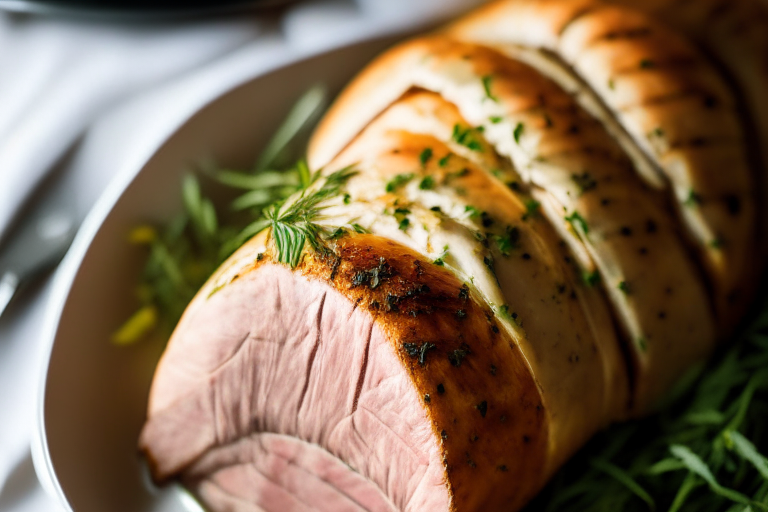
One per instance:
[(81, 96)]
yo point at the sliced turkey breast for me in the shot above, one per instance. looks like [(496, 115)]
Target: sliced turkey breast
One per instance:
[(581, 178), (672, 101), (734, 33), (517, 264)]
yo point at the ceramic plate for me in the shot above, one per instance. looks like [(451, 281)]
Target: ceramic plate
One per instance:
[(94, 394)]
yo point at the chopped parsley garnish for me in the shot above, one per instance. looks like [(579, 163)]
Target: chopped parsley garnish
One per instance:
[(444, 161), (425, 156), (359, 229), (518, 132), (611, 84), (495, 119), (591, 279), (466, 137), (402, 219), (507, 242), (584, 181), (693, 199), (487, 82), (503, 312), (347, 199), (578, 223), (472, 211), (427, 183), (657, 132), (398, 182), (531, 209), (624, 287), (440, 261)]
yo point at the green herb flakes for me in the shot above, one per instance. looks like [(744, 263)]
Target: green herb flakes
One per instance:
[(578, 223), (531, 209), (624, 287), (425, 156), (508, 241), (591, 279), (467, 137), (398, 182), (693, 199), (518, 132), (487, 83), (427, 183), (440, 260), (584, 181)]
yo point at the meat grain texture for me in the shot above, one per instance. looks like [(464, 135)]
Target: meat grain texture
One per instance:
[(554, 212)]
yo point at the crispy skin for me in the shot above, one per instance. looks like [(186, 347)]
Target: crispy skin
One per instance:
[(735, 33), (675, 105), (631, 239), (565, 332)]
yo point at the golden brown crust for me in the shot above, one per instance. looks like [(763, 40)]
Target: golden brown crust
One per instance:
[(675, 105), (577, 167), (485, 407), (735, 33)]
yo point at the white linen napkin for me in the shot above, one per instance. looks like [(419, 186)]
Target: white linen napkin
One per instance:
[(59, 75)]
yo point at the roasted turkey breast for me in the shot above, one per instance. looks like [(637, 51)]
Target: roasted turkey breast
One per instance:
[(527, 226)]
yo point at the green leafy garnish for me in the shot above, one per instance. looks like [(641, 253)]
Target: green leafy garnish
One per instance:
[(295, 224), (508, 241), (487, 82), (693, 199), (703, 452), (584, 181), (518, 132), (531, 209), (578, 223), (466, 137), (425, 156), (427, 183), (398, 182), (591, 279), (440, 261)]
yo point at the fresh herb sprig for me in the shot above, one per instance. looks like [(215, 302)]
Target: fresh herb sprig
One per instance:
[(294, 224), (182, 255), (702, 453)]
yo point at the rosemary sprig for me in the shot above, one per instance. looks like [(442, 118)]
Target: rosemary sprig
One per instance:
[(183, 254), (295, 223)]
